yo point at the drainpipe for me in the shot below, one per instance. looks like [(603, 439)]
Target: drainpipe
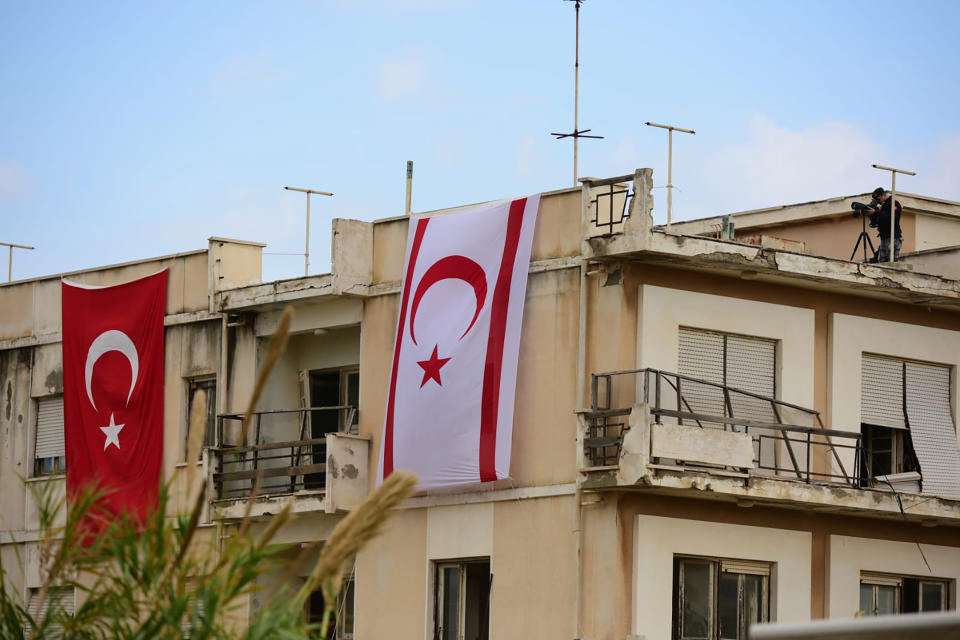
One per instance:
[(577, 494)]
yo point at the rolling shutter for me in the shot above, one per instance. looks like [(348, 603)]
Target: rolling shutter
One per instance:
[(736, 361), (49, 443), (881, 392), (751, 366), (57, 598), (700, 356), (932, 428)]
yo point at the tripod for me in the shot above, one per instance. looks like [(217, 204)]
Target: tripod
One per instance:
[(864, 238)]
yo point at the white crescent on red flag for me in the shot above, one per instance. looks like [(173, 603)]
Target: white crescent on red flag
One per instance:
[(113, 391), (449, 415)]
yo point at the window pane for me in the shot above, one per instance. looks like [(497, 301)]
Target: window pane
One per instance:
[(866, 599), (697, 618), (451, 603), (754, 602), (727, 605), (931, 596), (886, 600), (345, 616)]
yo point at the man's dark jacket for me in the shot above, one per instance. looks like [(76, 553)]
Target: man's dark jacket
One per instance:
[(882, 219)]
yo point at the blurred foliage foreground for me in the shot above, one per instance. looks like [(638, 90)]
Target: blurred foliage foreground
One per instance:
[(159, 579)]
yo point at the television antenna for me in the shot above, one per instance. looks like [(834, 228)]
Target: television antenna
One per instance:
[(306, 251), (10, 259), (670, 128), (577, 133)]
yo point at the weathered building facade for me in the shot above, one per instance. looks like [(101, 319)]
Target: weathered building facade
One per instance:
[(708, 432)]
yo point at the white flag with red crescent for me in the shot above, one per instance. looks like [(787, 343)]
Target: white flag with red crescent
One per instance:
[(449, 416)]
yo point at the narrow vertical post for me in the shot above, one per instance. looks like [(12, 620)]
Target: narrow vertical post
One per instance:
[(893, 203), (669, 178), (10, 257), (406, 208), (670, 129), (306, 249), (576, 90)]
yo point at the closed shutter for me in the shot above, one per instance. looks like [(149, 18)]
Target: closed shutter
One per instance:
[(58, 598), (701, 356), (49, 443), (745, 566), (932, 429), (751, 366), (881, 392)]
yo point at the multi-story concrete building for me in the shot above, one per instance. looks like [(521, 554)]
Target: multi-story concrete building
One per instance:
[(715, 424)]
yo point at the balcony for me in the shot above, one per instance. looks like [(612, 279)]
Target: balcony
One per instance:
[(645, 421), (287, 456)]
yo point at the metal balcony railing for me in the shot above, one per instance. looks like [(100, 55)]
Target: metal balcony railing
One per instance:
[(788, 440), (280, 456)]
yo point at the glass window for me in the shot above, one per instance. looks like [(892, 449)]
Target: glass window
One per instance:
[(718, 599), (49, 452), (887, 595), (462, 609), (209, 387)]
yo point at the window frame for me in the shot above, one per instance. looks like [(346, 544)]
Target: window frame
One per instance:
[(439, 605), (59, 463), (194, 384), (719, 567), (876, 580)]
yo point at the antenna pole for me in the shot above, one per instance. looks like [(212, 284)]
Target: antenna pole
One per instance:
[(893, 202), (409, 186), (576, 134), (10, 257), (576, 89), (306, 251), (670, 129)]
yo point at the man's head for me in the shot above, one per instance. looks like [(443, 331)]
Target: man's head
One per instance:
[(880, 195)]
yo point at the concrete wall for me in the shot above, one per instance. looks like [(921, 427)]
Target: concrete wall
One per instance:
[(664, 311), (853, 336), (936, 231), (658, 540), (849, 556)]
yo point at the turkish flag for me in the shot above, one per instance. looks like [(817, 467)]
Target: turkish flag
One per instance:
[(449, 415), (113, 391)]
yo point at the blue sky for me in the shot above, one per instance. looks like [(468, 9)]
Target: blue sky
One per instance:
[(130, 130)]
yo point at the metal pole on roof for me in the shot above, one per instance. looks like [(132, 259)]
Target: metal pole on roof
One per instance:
[(306, 251), (10, 257), (893, 202), (406, 209), (670, 129)]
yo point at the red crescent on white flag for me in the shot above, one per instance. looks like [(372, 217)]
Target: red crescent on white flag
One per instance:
[(451, 268)]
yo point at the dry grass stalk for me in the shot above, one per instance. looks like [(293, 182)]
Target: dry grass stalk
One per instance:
[(357, 529), (195, 433)]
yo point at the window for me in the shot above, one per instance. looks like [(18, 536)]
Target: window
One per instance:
[(462, 600), (718, 599), (337, 388), (907, 422), (886, 595), (341, 624), (209, 387), (60, 600), (49, 453), (741, 362)]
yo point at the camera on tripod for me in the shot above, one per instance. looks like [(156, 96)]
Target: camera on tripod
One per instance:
[(861, 209)]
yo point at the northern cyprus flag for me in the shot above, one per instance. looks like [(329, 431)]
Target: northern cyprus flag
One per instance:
[(449, 414)]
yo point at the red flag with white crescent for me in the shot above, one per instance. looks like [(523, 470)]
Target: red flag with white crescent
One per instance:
[(113, 391), (449, 415)]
